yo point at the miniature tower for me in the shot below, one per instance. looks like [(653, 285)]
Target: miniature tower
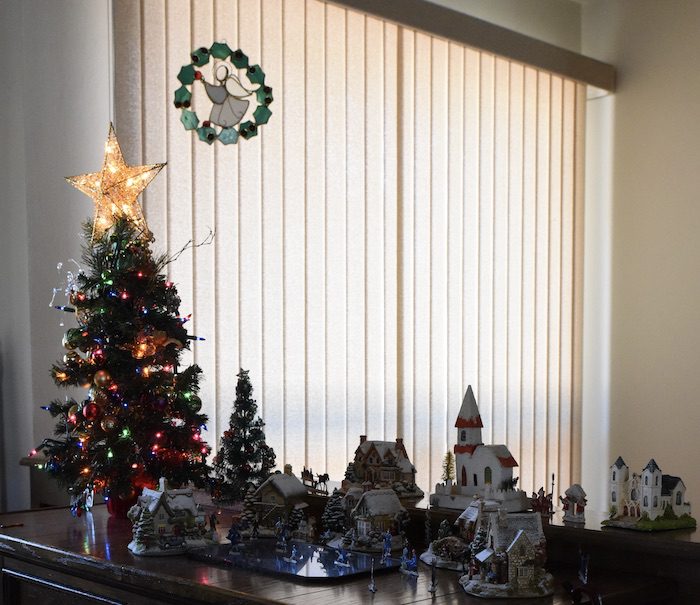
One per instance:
[(469, 427), (651, 489), (619, 474)]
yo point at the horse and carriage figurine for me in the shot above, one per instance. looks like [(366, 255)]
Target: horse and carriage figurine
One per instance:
[(316, 485)]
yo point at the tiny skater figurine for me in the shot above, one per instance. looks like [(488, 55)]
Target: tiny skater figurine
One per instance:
[(432, 587), (386, 551), (409, 565), (292, 558), (342, 559), (372, 586), (234, 536)]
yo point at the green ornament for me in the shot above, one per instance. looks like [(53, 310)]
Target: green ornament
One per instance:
[(264, 95), (262, 115), (220, 50), (183, 97), (186, 75), (207, 134), (256, 75), (195, 403), (228, 136), (248, 130), (239, 59), (200, 56), (189, 119)]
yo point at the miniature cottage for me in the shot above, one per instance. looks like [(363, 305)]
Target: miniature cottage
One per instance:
[(376, 510), (382, 463), (513, 563), (166, 520), (278, 496), (648, 493), (484, 470)]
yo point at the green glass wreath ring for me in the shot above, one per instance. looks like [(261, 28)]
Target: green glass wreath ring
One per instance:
[(228, 95)]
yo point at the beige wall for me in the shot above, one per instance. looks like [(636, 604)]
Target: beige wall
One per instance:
[(56, 114), (555, 21), (655, 186)]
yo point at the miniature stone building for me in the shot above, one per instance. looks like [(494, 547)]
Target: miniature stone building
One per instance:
[(278, 496), (648, 493), (376, 511)]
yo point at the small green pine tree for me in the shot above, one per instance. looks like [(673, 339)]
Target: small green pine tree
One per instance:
[(448, 467), (244, 459)]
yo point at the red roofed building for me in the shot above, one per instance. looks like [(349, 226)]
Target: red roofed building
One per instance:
[(478, 465)]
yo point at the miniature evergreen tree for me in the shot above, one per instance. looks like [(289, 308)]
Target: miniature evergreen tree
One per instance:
[(244, 459), (140, 419), (250, 512), (445, 529), (333, 517), (143, 530), (295, 518), (448, 467), (428, 528)]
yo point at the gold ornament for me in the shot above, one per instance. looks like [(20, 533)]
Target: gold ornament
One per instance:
[(102, 378), (71, 356), (115, 189), (72, 411), (108, 424)]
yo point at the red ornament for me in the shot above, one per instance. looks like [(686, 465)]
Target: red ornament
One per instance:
[(197, 75), (206, 123), (91, 411)]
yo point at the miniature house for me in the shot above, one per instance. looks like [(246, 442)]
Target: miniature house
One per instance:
[(648, 493), (483, 470), (279, 495), (381, 465), (377, 511), (512, 564), (171, 517)]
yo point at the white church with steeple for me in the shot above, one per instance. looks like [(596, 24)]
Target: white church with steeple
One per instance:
[(480, 470)]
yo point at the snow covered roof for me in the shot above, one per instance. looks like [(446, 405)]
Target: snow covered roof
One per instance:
[(619, 463), (469, 416), (651, 466), (288, 486), (505, 458), (669, 483), (383, 448), (405, 465), (575, 492), (175, 500), (503, 535), (380, 502), (484, 555), (469, 514), (520, 536)]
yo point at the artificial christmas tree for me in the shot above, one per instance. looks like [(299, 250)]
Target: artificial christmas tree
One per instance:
[(244, 459), (140, 420)]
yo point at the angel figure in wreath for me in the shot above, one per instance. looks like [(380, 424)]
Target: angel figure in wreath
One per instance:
[(228, 98)]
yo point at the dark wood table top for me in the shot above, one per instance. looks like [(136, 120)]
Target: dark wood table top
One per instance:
[(94, 547)]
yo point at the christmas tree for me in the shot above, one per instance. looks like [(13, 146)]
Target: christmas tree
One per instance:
[(140, 419), (333, 517), (244, 459)]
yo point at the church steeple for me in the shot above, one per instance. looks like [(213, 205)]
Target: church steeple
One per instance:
[(468, 422)]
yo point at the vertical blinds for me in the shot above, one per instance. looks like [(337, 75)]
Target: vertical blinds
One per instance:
[(408, 223)]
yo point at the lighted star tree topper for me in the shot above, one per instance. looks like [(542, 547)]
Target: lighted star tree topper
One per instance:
[(115, 189)]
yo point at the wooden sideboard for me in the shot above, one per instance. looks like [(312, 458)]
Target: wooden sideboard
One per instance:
[(52, 559)]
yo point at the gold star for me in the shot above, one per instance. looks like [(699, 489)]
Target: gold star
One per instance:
[(115, 188)]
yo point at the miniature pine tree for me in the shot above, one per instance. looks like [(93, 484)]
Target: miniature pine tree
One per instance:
[(244, 459), (333, 517), (428, 527), (295, 518), (144, 532), (140, 419), (444, 530), (448, 467), (249, 510)]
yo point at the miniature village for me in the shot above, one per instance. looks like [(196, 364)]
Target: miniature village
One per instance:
[(294, 525)]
